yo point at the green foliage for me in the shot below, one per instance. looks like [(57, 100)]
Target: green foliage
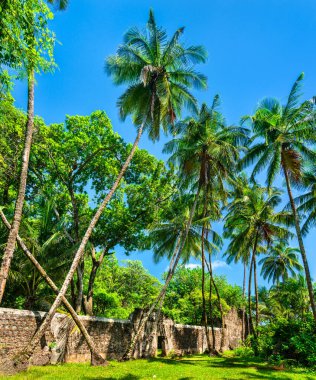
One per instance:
[(122, 288), (183, 301), (245, 350), (289, 339), (26, 43), (159, 73)]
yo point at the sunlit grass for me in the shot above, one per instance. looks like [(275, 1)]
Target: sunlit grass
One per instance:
[(193, 367)]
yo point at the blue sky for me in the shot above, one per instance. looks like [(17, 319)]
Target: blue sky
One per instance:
[(256, 48)]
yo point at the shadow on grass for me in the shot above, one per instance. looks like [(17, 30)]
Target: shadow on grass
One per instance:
[(126, 377), (263, 371)]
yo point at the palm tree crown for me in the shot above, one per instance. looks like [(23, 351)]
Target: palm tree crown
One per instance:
[(285, 135), (207, 150), (281, 261), (159, 73)]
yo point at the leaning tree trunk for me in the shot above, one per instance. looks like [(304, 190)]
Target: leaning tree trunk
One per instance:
[(10, 246), (27, 352), (96, 358), (301, 245), (175, 257), (256, 289)]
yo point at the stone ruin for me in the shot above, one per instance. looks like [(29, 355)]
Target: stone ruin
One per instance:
[(63, 341)]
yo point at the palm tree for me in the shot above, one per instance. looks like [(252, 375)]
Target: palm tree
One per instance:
[(158, 89), (206, 152), (252, 221), (285, 134), (280, 262), (240, 185)]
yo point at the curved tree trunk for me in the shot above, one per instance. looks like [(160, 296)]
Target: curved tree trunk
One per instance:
[(175, 258), (301, 245), (96, 358), (10, 246), (27, 352)]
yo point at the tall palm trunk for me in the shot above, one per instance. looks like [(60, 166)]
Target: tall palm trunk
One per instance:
[(211, 312), (243, 321), (10, 246), (256, 289), (175, 260), (27, 352), (301, 245), (95, 356), (221, 311), (204, 317), (250, 324)]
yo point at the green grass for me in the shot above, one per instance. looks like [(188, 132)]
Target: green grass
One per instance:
[(193, 367)]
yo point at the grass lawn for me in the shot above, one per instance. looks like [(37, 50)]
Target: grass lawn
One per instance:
[(193, 367)]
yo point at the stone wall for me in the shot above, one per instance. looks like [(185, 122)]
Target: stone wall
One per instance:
[(64, 342)]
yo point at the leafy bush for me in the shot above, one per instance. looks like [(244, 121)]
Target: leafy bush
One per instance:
[(289, 339), (244, 351)]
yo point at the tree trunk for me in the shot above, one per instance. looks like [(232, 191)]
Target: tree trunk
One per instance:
[(211, 311), (79, 297), (96, 358), (250, 325), (301, 245), (221, 311), (88, 300), (203, 294), (243, 321), (175, 258), (10, 246), (29, 349), (256, 289)]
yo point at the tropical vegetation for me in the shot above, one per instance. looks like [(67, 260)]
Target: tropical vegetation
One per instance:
[(73, 193)]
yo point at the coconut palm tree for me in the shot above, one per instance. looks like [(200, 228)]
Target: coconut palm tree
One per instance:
[(206, 152), (280, 262), (159, 73), (252, 221), (284, 136), (200, 240), (239, 186)]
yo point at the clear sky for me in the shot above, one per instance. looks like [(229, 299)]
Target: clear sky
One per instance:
[(256, 48)]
